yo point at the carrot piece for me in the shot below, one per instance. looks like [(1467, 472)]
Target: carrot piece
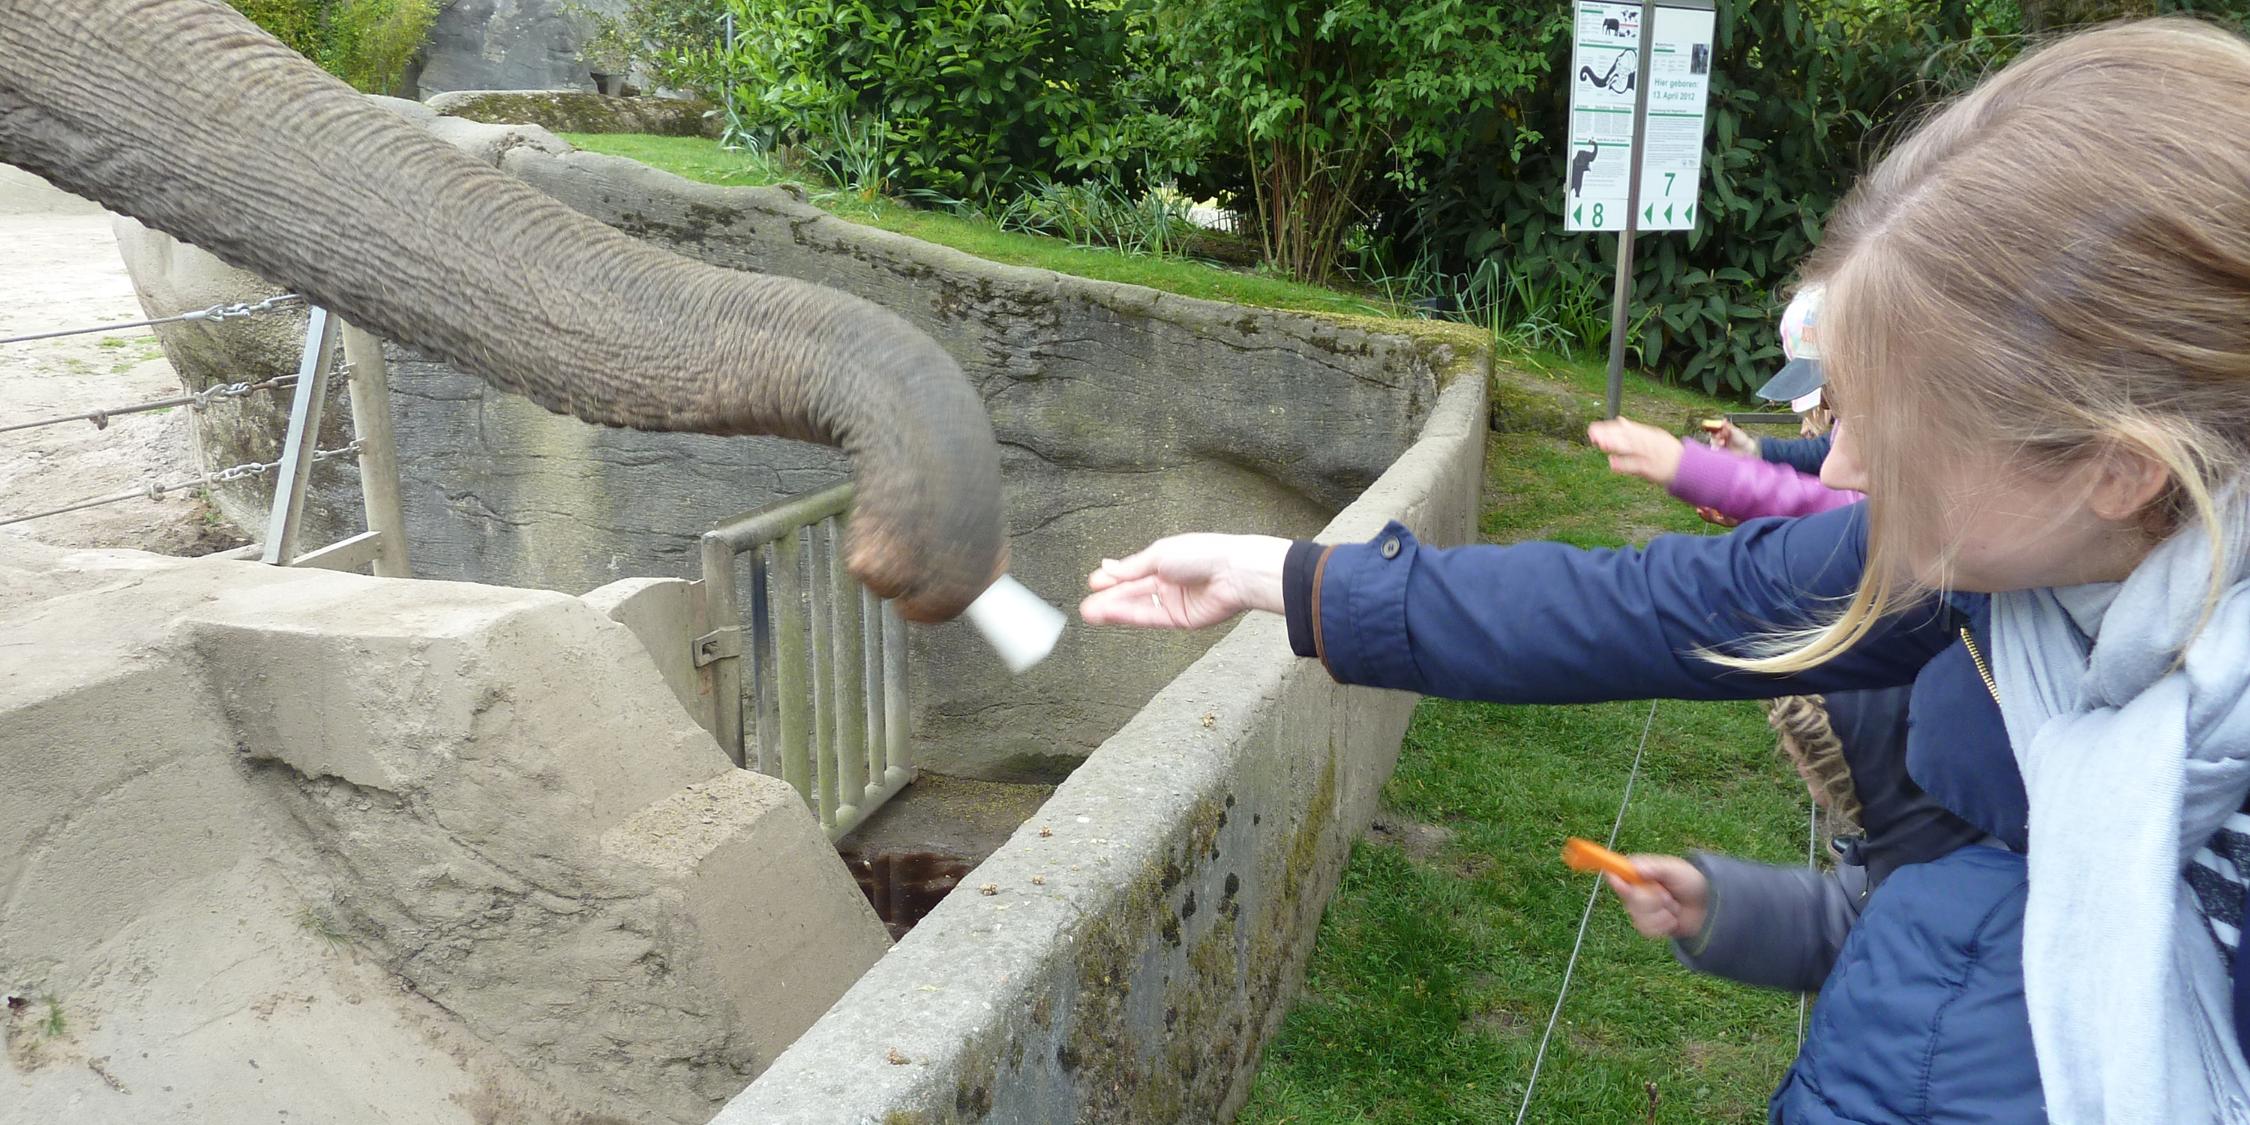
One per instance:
[(1581, 854)]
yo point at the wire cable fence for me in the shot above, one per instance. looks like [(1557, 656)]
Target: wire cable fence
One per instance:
[(216, 314), (154, 490), (196, 400), (332, 351), (1586, 917)]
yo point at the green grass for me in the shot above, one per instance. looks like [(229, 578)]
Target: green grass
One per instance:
[(703, 160), (1433, 977)]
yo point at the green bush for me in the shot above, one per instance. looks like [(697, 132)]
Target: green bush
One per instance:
[(1800, 90), (681, 42), (1305, 109), (972, 99), (1101, 214), (1804, 94), (368, 43)]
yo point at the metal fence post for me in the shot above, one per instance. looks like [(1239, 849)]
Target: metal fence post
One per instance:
[(304, 432), (378, 451)]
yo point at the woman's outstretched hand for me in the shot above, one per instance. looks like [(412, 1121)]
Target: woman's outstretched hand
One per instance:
[(1187, 582)]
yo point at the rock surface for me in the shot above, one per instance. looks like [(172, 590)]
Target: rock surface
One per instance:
[(506, 45)]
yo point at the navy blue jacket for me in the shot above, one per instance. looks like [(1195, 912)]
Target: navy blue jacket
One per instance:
[(1784, 925), (1923, 1016), (1801, 454)]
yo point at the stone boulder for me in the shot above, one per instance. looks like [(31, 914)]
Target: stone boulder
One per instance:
[(506, 45)]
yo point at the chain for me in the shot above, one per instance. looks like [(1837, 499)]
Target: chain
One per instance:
[(216, 313), (244, 309), (155, 490), (195, 401), (351, 450)]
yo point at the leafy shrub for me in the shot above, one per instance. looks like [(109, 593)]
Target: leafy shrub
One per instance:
[(682, 42), (1801, 90), (1102, 214), (1305, 108), (974, 99), (368, 43), (1804, 93)]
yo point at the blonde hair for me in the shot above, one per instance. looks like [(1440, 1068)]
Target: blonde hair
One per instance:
[(2056, 265)]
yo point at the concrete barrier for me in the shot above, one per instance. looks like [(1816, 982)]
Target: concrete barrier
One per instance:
[(1127, 954), (338, 848), (1122, 412)]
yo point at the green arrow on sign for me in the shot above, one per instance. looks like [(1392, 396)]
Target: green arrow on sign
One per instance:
[(1648, 213), (1667, 212), (1578, 215), (1689, 214)]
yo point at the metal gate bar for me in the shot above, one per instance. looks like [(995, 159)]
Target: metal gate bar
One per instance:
[(828, 688)]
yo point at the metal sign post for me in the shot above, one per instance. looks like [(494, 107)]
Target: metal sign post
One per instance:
[(1640, 76), (1621, 295)]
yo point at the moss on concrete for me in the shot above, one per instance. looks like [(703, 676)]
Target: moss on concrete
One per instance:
[(574, 111)]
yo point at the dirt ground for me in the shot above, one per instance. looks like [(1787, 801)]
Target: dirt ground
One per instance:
[(59, 268)]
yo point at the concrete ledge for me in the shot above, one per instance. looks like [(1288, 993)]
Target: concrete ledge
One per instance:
[(576, 111), (1143, 933)]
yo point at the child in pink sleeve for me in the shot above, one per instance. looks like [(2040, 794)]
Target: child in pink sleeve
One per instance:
[(1722, 482)]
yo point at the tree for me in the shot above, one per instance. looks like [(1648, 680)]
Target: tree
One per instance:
[(1320, 103)]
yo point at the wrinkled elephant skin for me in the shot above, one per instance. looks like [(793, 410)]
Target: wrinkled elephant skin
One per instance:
[(186, 116)]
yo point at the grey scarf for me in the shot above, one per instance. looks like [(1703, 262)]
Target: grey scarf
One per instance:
[(2132, 760)]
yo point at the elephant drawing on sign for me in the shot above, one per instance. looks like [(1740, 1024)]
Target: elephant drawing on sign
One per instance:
[(188, 117), (1610, 79), (1579, 163)]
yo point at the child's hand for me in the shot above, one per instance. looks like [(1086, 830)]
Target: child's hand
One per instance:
[(1671, 903), (1731, 439), (1637, 449)]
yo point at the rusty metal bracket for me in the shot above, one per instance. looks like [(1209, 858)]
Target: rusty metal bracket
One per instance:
[(722, 643)]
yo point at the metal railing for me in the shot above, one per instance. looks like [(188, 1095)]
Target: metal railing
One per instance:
[(827, 658)]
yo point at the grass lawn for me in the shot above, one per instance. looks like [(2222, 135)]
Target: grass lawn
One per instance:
[(703, 160), (1435, 970)]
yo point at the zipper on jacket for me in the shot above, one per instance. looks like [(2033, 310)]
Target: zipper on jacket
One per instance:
[(1983, 670)]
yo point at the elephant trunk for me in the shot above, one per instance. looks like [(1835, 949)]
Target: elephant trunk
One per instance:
[(184, 115)]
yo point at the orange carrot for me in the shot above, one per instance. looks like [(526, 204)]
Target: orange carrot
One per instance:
[(1581, 854)]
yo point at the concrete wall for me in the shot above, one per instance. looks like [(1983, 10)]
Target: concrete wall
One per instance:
[(341, 848), (1148, 926), (1123, 414)]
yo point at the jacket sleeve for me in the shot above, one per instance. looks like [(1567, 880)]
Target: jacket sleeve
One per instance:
[(1545, 623), (1748, 489), (1801, 454), (1776, 927)]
